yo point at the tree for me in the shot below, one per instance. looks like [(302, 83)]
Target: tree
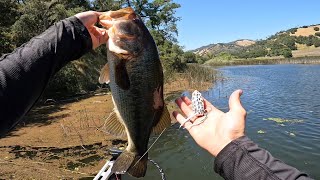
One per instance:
[(38, 15), (286, 52), (107, 5), (293, 30), (288, 41), (189, 57), (8, 15), (200, 59), (171, 56), (159, 15), (310, 40), (208, 56), (316, 42), (22, 20)]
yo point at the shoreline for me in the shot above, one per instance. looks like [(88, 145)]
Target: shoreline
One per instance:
[(265, 61), (65, 139)]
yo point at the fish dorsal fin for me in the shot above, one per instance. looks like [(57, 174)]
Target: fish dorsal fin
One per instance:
[(121, 75), (114, 126), (104, 74), (164, 122)]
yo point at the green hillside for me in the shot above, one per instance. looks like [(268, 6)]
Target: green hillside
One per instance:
[(294, 42)]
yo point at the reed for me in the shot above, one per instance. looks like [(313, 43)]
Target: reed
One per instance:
[(200, 75)]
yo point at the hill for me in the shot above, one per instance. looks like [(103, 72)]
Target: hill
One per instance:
[(295, 42), (231, 47), (305, 30)]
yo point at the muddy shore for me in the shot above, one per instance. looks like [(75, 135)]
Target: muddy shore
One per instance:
[(66, 139)]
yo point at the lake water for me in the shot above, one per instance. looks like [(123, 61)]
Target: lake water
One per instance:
[(272, 93)]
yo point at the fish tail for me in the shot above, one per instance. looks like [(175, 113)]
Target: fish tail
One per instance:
[(131, 163), (139, 166)]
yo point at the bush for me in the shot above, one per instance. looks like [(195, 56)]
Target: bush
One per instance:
[(317, 34), (287, 53), (316, 28), (200, 59), (288, 41), (304, 26), (316, 43), (189, 57), (310, 40), (293, 30)]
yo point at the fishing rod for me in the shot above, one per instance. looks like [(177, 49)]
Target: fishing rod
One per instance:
[(106, 174)]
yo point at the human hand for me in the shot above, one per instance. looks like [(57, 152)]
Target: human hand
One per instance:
[(220, 128), (98, 35)]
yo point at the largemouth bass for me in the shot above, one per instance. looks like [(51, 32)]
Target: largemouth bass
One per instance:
[(135, 76)]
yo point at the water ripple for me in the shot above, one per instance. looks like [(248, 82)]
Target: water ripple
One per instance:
[(289, 92)]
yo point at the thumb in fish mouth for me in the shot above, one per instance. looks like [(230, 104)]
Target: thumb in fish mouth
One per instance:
[(98, 35)]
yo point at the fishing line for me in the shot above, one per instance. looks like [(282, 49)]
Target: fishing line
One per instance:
[(163, 177), (150, 147)]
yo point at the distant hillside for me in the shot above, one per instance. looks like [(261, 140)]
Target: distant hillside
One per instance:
[(305, 30), (231, 47), (294, 42), (244, 42)]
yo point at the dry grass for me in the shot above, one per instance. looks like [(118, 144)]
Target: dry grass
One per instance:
[(64, 140), (304, 46), (305, 31), (59, 141), (244, 42), (63, 124), (306, 51)]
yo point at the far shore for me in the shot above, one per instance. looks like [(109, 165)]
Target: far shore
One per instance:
[(258, 61)]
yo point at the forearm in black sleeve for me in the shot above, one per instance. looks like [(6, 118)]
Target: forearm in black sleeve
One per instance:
[(243, 159), (25, 72)]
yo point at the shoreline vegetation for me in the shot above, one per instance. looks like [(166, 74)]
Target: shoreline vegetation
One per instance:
[(269, 60)]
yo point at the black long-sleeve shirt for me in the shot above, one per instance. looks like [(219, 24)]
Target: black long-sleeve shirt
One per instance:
[(243, 159), (25, 73)]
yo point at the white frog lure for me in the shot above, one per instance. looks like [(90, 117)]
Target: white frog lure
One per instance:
[(197, 108)]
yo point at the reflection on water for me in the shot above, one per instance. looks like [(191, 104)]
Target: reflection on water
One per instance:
[(289, 92)]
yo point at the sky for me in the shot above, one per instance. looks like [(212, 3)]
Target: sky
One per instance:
[(205, 22)]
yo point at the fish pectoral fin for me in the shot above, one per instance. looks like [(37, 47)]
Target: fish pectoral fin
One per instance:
[(131, 163), (104, 74), (164, 122), (114, 126)]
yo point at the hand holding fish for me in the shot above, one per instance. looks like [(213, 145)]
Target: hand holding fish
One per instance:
[(98, 35), (220, 128)]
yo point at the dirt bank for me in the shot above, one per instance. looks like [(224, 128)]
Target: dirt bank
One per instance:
[(66, 139)]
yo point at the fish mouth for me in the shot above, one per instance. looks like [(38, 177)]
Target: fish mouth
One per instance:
[(122, 31), (108, 17)]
